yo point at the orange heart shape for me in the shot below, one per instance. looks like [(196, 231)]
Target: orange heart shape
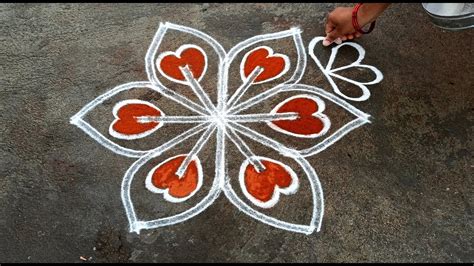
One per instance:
[(126, 126), (274, 65), (193, 56), (264, 187), (163, 179), (311, 122)]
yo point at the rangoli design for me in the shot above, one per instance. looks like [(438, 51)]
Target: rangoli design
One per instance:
[(263, 180)]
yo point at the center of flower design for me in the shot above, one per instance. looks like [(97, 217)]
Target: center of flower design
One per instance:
[(219, 119)]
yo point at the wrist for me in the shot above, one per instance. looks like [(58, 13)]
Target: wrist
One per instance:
[(366, 15), (369, 12)]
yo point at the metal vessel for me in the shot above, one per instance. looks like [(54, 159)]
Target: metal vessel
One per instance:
[(451, 16)]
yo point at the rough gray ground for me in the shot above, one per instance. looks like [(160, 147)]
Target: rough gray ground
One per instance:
[(397, 190)]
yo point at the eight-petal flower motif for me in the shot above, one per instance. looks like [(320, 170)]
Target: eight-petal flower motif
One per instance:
[(263, 180)]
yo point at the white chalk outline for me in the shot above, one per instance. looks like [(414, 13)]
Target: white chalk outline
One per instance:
[(194, 151), (178, 54), (329, 73), (245, 150), (149, 184), (277, 190), (271, 53), (225, 119), (318, 114), (121, 104)]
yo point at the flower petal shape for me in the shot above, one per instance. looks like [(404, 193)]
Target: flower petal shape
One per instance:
[(187, 65), (161, 181), (287, 184), (331, 73), (311, 91), (262, 64), (133, 128)]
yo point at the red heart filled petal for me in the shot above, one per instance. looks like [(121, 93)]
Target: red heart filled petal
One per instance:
[(262, 185), (306, 123), (273, 65), (165, 177), (192, 57), (127, 114)]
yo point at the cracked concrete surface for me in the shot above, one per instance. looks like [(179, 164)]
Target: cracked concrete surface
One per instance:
[(397, 190)]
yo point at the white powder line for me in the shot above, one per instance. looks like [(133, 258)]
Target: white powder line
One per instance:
[(245, 85), (194, 151), (198, 90), (245, 118), (245, 150), (173, 119), (180, 99), (262, 139)]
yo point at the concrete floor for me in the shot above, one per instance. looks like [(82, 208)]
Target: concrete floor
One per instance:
[(397, 190)]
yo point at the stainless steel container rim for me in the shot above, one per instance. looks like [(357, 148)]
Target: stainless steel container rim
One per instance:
[(462, 16)]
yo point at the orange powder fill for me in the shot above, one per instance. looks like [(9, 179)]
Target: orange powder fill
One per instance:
[(306, 123), (272, 66), (127, 123), (165, 177), (261, 185), (192, 57)]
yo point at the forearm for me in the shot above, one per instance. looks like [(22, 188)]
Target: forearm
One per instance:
[(369, 12)]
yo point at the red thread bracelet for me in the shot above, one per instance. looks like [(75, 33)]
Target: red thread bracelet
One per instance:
[(355, 23)]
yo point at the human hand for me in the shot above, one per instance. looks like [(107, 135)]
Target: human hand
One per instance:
[(339, 22), (339, 26)]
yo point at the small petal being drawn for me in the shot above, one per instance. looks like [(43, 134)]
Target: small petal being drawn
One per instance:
[(330, 73)]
